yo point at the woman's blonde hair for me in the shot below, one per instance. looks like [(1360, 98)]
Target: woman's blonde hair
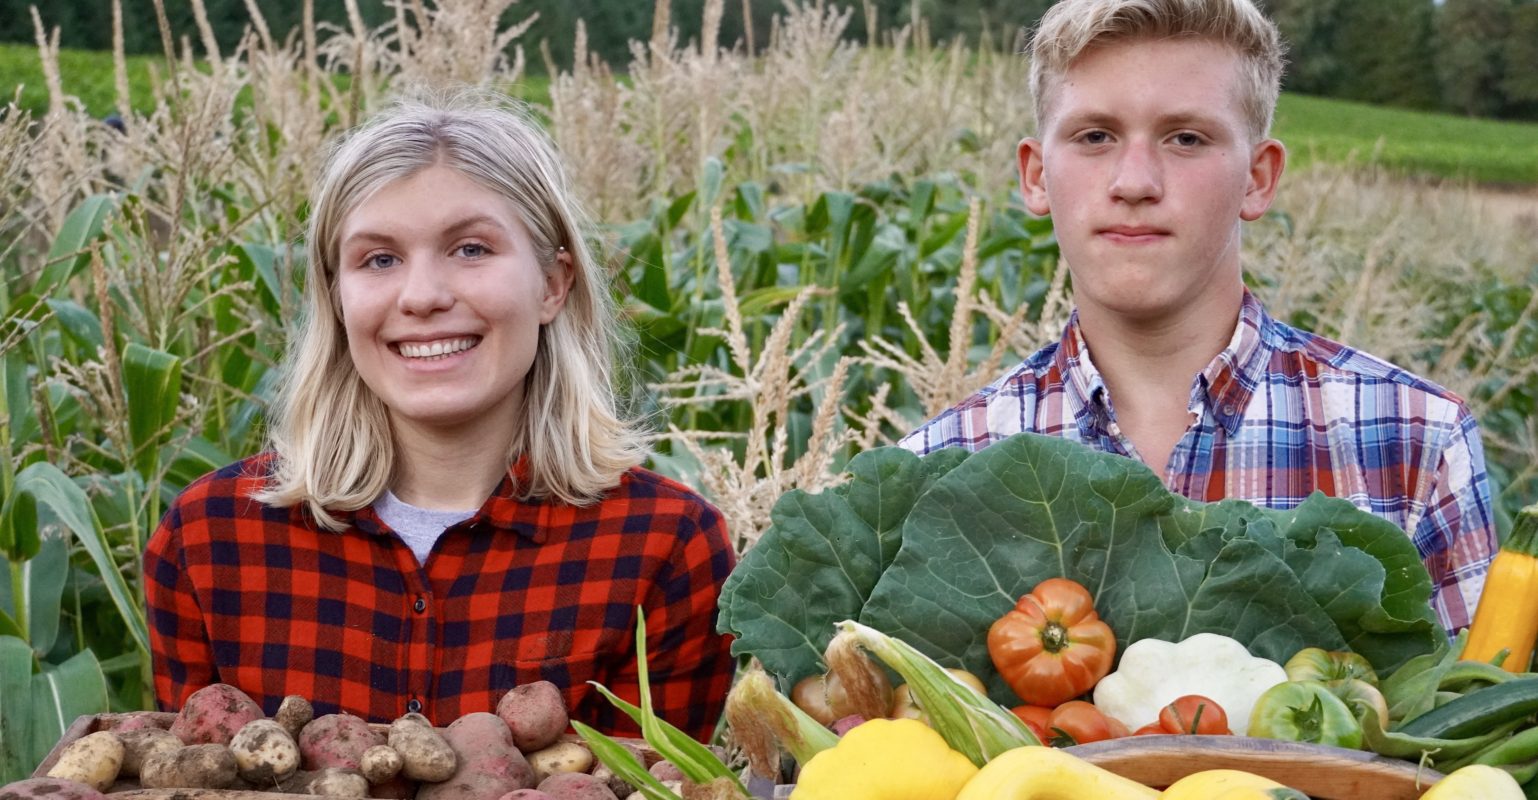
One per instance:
[(1072, 26), (331, 434)]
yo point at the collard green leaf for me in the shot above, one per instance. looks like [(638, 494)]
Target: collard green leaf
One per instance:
[(822, 557), (982, 533)]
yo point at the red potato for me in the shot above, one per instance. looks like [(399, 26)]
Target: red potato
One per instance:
[(49, 789), (535, 713), (214, 713), (336, 740), (526, 794), (576, 786), (489, 764), (138, 722)]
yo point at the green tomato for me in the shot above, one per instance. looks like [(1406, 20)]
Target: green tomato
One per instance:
[(1317, 664), (1305, 711)]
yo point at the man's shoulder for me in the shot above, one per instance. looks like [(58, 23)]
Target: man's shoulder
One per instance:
[(1002, 408), (1332, 361)]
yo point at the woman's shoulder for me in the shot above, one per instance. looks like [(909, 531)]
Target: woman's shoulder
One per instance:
[(226, 491), (650, 492)]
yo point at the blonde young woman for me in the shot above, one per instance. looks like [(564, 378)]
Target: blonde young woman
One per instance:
[(451, 504)]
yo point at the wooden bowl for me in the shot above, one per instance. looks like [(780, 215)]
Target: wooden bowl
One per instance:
[(1323, 773)]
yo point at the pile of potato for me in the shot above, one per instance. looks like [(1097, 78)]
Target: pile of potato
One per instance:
[(222, 740)]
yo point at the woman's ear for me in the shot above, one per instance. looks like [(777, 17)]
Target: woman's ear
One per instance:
[(558, 281), (1033, 177)]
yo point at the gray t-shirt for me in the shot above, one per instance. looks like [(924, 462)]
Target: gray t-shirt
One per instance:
[(419, 528)]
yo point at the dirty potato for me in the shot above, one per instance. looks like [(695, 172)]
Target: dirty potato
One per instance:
[(264, 752), (141, 743), (425, 756), (294, 713), (380, 763), (214, 713), (197, 766), (561, 757), (49, 789), (93, 760), (535, 713)]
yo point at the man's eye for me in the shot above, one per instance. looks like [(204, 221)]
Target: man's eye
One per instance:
[(1187, 139), (1096, 137)]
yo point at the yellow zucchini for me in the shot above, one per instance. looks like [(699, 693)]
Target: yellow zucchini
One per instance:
[(1228, 784), (1507, 615)]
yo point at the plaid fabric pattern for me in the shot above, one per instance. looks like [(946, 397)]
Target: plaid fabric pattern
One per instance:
[(1277, 415), (260, 598)]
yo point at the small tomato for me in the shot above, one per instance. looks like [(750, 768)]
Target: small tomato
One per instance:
[(1078, 722), (1194, 714), (1305, 711), (1317, 664), (1052, 646)]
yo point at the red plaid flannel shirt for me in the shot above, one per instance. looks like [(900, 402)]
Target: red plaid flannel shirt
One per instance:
[(258, 597)]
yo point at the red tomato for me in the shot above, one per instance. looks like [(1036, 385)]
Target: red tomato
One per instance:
[(1078, 722), (1052, 646), (1152, 728), (1193, 713)]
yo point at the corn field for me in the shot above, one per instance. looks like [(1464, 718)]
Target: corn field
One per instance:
[(815, 241)]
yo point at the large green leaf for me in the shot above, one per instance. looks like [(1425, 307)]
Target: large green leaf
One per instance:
[(42, 589), (60, 694), (16, 728), (152, 379), (822, 557), (984, 533), (68, 254), (52, 490)]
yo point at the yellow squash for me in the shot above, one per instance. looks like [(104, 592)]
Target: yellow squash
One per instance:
[(1507, 615), (1476, 782), (885, 759), (1044, 773), (1229, 784)]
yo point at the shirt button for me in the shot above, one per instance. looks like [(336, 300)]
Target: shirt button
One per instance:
[(414, 706), (420, 605), (1229, 409)]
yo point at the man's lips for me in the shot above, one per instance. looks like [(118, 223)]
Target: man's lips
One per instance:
[(1133, 234)]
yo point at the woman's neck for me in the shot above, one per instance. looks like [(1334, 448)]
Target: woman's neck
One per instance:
[(448, 469)]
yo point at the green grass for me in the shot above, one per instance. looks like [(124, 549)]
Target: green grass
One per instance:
[(1413, 142)]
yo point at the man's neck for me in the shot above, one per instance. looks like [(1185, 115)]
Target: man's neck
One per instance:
[(1148, 365)]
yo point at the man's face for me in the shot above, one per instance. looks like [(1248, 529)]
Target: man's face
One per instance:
[(1145, 163)]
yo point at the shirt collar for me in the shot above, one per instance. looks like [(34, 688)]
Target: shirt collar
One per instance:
[(1231, 377), (506, 509), (1227, 382)]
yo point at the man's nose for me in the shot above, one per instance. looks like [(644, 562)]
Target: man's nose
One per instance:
[(1139, 174)]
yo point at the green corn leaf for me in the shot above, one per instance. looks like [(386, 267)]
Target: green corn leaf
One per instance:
[(52, 489), (624, 763), (43, 578), (62, 693), (79, 323), (152, 379), (19, 538), (68, 254), (16, 728)]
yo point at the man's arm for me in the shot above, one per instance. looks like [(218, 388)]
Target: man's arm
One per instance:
[(1456, 531)]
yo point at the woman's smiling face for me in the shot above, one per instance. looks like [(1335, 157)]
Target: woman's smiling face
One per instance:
[(442, 299)]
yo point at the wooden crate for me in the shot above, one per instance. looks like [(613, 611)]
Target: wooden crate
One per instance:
[(1323, 773)]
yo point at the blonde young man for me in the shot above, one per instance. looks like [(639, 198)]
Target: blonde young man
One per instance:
[(1151, 148)]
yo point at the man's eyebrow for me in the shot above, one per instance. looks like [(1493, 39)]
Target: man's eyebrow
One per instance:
[(1106, 119)]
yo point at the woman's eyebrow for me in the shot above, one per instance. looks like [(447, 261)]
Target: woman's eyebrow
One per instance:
[(367, 236)]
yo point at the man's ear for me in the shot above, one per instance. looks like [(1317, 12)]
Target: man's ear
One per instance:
[(558, 281), (1267, 160), (1033, 179)]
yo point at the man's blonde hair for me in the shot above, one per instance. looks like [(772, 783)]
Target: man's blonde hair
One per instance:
[(331, 433), (1073, 26)]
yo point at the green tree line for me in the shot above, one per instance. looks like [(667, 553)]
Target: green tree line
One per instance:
[(1474, 57)]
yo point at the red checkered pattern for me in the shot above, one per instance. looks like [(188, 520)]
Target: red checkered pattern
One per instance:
[(259, 597)]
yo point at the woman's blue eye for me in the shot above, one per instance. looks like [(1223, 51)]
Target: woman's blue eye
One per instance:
[(473, 250), (379, 261)]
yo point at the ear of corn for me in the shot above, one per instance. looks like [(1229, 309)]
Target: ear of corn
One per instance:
[(968, 721)]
